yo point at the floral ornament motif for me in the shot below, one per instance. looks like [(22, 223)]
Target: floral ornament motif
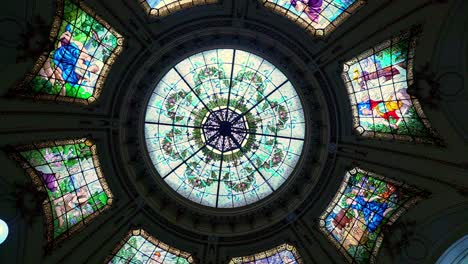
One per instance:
[(210, 73), (252, 77), (281, 114), (171, 105), (242, 186), (220, 130), (275, 160), (167, 144), (199, 182)]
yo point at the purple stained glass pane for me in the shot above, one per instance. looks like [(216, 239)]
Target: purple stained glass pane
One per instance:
[(225, 130)]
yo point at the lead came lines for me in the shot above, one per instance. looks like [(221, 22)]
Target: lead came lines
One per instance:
[(225, 131)]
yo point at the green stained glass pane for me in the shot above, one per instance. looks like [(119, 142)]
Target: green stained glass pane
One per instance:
[(75, 69), (67, 171), (140, 247)]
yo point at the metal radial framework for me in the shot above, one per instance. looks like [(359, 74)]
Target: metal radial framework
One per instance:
[(224, 128)]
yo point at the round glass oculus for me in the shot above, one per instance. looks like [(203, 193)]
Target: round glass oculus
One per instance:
[(224, 128)]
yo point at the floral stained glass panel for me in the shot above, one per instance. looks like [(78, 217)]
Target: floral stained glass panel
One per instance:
[(377, 83), (319, 17), (141, 248), (283, 254), (363, 206), (70, 174), (224, 128), (166, 7), (84, 49)]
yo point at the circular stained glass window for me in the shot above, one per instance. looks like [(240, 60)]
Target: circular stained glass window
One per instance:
[(224, 128)]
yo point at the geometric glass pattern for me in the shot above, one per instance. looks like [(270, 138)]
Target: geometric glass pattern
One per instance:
[(69, 172), (365, 204), (84, 49), (377, 82), (319, 17), (166, 7), (283, 254), (140, 248), (224, 128)]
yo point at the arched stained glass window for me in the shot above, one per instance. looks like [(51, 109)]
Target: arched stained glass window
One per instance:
[(224, 128), (283, 254), (84, 48), (166, 7), (69, 173), (319, 17), (140, 247), (377, 82), (363, 205)]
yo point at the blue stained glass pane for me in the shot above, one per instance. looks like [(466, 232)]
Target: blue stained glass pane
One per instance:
[(364, 204), (155, 3), (84, 49)]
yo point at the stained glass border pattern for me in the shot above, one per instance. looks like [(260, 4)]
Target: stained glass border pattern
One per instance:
[(417, 195), (411, 35), (152, 240), (40, 186), (307, 24), (23, 89), (172, 7), (268, 253)]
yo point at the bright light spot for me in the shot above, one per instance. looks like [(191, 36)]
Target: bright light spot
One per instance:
[(3, 231)]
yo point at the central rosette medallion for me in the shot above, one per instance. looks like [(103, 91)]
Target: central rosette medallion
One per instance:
[(225, 131)]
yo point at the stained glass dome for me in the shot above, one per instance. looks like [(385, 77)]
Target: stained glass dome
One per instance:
[(224, 128), (3, 231)]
